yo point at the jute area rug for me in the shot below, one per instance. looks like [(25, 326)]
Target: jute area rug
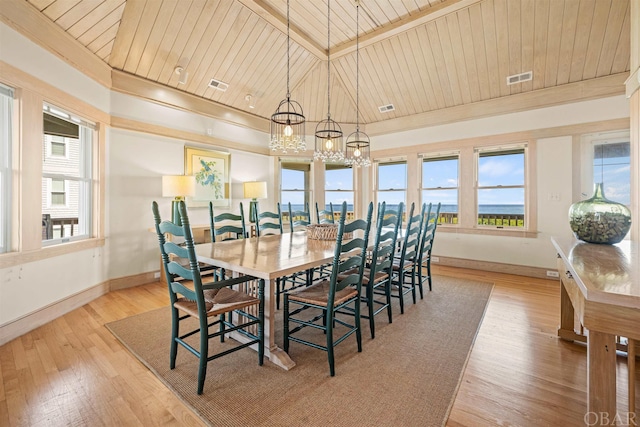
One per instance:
[(407, 376)]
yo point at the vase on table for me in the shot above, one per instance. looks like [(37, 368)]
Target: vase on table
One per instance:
[(599, 220)]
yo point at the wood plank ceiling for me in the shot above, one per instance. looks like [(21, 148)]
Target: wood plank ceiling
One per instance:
[(419, 55)]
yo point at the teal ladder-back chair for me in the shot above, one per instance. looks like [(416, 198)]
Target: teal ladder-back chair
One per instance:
[(325, 216), (229, 226), (207, 300), (268, 222), (403, 262), (426, 246), (317, 305), (226, 226), (378, 273), (298, 220)]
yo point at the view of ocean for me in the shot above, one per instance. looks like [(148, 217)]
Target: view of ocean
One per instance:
[(482, 209)]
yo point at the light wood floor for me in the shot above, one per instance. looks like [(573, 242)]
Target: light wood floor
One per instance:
[(73, 372)]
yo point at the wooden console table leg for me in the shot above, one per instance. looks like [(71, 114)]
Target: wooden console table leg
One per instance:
[(631, 366), (601, 368)]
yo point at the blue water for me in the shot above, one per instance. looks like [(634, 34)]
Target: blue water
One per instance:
[(483, 209)]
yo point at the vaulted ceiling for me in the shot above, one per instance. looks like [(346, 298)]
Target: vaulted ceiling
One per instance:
[(419, 55)]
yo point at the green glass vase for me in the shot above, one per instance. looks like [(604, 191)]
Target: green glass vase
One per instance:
[(599, 220)]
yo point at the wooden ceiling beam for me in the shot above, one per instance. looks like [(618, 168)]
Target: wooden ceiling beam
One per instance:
[(279, 22), (405, 24)]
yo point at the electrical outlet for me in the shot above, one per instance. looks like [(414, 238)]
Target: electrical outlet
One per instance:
[(156, 275), (551, 273), (435, 259)]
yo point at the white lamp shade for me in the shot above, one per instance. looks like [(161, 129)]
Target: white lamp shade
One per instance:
[(178, 185), (255, 190)]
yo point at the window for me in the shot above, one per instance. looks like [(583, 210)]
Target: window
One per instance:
[(57, 147), (392, 183), (501, 187), (6, 117), (295, 182), (338, 188), (440, 185), (612, 167), (58, 194), (66, 177)]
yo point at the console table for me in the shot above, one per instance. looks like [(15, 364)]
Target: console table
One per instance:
[(601, 285)]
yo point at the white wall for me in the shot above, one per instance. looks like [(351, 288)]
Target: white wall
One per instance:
[(137, 162), (27, 287)]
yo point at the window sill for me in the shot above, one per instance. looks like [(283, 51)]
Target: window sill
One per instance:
[(11, 259), (506, 232)]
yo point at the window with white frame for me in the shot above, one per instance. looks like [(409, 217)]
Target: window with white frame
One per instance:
[(607, 159), (66, 177), (58, 193), (295, 185), (391, 183), (440, 185), (338, 188), (6, 120), (501, 187)]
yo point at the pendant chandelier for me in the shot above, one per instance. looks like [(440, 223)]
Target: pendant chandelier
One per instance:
[(358, 144), (287, 123), (328, 131)]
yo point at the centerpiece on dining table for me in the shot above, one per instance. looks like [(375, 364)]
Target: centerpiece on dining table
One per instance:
[(325, 232)]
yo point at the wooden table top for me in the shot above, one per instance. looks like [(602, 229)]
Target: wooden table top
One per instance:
[(268, 257), (604, 273)]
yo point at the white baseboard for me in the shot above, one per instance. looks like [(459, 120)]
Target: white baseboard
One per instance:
[(46, 314), (132, 281), (496, 267)]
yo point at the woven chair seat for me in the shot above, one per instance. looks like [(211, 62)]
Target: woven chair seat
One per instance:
[(377, 278), (217, 301), (318, 294)]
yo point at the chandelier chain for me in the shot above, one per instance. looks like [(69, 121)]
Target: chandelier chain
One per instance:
[(328, 58)]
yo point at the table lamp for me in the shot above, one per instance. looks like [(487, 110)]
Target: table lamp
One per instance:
[(254, 190), (178, 187)]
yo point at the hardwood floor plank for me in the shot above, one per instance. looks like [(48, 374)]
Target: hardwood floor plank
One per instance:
[(72, 371)]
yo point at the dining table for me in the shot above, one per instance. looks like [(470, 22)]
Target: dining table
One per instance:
[(268, 257)]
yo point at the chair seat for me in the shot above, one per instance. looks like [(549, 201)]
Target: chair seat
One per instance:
[(318, 294), (379, 276), (217, 301), (396, 265)]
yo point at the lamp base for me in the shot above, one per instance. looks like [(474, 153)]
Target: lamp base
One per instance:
[(253, 210), (175, 213)]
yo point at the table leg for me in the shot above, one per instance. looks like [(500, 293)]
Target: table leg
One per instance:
[(271, 350), (631, 366), (601, 380), (277, 355)]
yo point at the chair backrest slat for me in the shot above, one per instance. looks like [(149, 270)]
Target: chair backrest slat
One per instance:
[(325, 216), (268, 222), (227, 225), (299, 220)]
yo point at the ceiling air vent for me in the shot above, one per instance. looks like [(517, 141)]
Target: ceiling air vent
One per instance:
[(519, 78), (218, 85), (386, 108)]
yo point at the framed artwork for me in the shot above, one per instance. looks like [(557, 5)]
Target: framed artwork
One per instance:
[(211, 170)]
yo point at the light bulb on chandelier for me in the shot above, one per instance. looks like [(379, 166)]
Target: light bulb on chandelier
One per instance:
[(356, 152), (288, 131)]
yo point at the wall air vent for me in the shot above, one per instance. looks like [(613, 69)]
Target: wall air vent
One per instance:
[(519, 78), (218, 85), (386, 108)]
